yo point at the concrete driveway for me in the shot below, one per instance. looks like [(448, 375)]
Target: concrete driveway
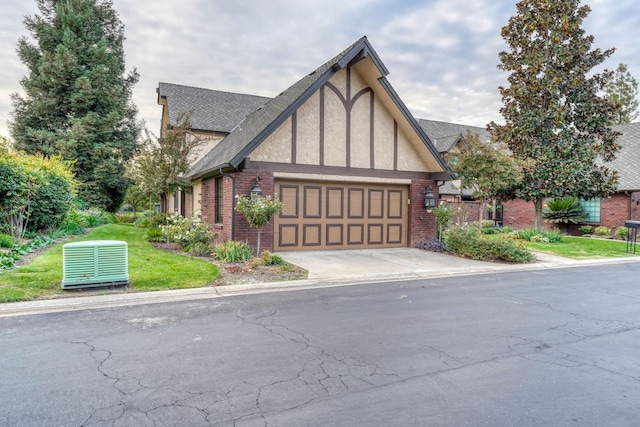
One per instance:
[(404, 263)]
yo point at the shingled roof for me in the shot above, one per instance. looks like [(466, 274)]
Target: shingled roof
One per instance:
[(257, 126), (211, 110), (627, 161), (445, 135)]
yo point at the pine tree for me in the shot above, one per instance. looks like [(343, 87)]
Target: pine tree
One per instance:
[(556, 125), (77, 100), (622, 89)]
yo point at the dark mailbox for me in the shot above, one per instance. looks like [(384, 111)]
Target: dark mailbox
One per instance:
[(632, 235)]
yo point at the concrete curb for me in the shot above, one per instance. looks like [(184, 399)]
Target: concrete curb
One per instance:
[(545, 262)]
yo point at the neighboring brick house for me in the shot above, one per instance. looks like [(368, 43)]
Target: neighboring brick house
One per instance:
[(611, 212), (339, 148)]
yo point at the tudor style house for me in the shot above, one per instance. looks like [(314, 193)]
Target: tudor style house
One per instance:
[(339, 148)]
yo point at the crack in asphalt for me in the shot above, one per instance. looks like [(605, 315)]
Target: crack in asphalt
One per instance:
[(322, 374)]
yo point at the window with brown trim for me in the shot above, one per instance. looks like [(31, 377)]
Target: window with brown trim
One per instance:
[(219, 201)]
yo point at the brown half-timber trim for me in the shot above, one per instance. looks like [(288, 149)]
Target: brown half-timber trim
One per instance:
[(395, 145), (337, 170), (372, 163), (321, 126), (294, 139)]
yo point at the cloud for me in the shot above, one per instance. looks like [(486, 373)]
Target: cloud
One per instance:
[(441, 54)]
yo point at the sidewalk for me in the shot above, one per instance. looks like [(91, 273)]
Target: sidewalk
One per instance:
[(326, 269)]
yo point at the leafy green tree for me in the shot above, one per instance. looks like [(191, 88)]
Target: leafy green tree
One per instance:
[(77, 100), (159, 168), (258, 210), (622, 89), (486, 168), (36, 192), (556, 124)]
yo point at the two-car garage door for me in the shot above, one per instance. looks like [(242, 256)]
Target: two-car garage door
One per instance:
[(325, 215)]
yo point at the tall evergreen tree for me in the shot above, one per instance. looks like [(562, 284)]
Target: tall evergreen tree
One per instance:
[(77, 100), (622, 89), (556, 125)]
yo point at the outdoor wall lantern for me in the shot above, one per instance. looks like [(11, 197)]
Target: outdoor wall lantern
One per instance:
[(429, 198), (256, 187)]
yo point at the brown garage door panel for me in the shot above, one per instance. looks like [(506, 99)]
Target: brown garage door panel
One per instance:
[(319, 215)]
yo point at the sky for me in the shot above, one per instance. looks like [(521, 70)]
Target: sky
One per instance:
[(442, 55)]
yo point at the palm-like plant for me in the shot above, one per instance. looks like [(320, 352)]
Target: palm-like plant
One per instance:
[(565, 210)]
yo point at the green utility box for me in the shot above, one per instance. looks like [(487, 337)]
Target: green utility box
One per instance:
[(95, 263)]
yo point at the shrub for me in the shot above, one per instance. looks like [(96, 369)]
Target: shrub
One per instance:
[(258, 210), (232, 251), (96, 216), (487, 223), (6, 241), (468, 242), (490, 230), (539, 238), (585, 229), (433, 245), (147, 219), (187, 231), (155, 234), (602, 231), (73, 224), (271, 259), (551, 236), (123, 218), (443, 217), (200, 249), (565, 210), (622, 232)]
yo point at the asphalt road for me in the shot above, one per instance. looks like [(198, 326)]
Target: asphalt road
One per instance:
[(552, 347)]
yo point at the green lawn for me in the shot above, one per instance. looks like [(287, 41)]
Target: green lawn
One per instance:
[(149, 268), (583, 248)]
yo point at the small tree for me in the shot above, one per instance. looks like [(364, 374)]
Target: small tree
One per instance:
[(159, 168), (485, 168), (258, 210), (443, 217), (622, 90), (563, 211)]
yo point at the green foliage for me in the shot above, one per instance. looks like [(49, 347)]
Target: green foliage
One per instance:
[(77, 100), (467, 242), (35, 192), (555, 122), (585, 229), (271, 259), (187, 231), (160, 166), (443, 216), (9, 258), (258, 210), (602, 231), (232, 251), (124, 218), (622, 232), (155, 234), (485, 167), (200, 249), (531, 235), (622, 90), (149, 219), (149, 268), (565, 210), (6, 241)]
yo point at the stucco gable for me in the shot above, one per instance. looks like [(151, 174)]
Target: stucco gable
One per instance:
[(263, 122)]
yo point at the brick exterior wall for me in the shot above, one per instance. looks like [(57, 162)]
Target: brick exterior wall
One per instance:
[(614, 211), (243, 185), (422, 224)]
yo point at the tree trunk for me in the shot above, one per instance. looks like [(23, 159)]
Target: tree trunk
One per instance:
[(538, 218), (259, 233)]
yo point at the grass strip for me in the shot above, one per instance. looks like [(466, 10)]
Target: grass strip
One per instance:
[(149, 268)]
